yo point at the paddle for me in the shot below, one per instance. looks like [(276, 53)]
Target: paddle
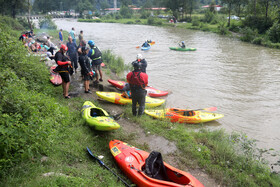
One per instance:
[(152, 43), (102, 164)]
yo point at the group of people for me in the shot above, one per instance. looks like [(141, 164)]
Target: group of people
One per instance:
[(34, 46)]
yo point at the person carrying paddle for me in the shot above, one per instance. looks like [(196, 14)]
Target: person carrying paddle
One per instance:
[(137, 81), (63, 62), (85, 68), (96, 56), (142, 62)]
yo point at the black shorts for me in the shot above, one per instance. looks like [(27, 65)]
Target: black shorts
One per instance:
[(65, 76), (86, 77)]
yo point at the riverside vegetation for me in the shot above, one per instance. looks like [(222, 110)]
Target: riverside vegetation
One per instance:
[(43, 138)]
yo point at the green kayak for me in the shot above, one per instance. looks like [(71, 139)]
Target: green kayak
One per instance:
[(182, 49)]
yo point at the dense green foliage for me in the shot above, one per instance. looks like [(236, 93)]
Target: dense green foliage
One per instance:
[(28, 113), (116, 64)]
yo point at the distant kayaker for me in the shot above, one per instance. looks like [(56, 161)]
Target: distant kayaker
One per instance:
[(63, 62), (182, 44), (141, 61), (137, 81), (96, 56), (145, 44), (85, 68)]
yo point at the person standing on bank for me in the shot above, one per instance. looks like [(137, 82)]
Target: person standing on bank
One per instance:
[(85, 68), (72, 53), (62, 68), (137, 81), (142, 62), (72, 33), (96, 56)]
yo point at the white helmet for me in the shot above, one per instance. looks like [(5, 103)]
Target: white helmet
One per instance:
[(139, 56)]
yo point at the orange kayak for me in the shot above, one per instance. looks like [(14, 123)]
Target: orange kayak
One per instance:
[(131, 160)]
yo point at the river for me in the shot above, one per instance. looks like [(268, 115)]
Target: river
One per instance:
[(240, 79)]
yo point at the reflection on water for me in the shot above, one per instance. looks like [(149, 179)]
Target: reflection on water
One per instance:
[(241, 79)]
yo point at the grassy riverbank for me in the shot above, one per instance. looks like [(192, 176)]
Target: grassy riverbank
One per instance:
[(43, 137)]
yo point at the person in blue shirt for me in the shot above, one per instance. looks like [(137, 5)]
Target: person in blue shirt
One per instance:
[(60, 34), (72, 53), (146, 44), (73, 34)]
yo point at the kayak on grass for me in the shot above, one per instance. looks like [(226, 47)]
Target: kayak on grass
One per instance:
[(98, 118), (151, 91), (55, 78), (117, 98), (184, 115), (140, 167), (182, 49)]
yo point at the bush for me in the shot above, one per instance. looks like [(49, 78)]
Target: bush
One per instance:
[(47, 23), (258, 40), (25, 24), (262, 24), (248, 34), (209, 17), (116, 64), (274, 33), (195, 22), (10, 22)]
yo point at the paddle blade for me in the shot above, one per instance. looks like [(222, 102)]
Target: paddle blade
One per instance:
[(137, 46), (210, 109)]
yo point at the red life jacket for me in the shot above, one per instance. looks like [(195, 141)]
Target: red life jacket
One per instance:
[(136, 80)]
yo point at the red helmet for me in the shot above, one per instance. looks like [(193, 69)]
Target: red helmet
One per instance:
[(64, 47)]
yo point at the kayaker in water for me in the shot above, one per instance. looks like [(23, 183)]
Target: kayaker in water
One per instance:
[(96, 56), (141, 61), (63, 62), (85, 68), (182, 45), (137, 81), (145, 44)]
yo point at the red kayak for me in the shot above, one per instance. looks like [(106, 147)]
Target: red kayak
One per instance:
[(137, 165), (151, 91), (55, 78)]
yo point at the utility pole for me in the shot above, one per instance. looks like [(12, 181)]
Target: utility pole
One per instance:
[(115, 5)]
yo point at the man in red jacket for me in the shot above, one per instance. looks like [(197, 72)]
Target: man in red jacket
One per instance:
[(62, 68), (137, 81)]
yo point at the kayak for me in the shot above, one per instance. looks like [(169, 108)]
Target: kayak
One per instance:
[(145, 48), (152, 43), (117, 98), (151, 91), (184, 115), (182, 49), (55, 78), (98, 118), (132, 162)]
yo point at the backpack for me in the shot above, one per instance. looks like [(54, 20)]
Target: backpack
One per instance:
[(154, 166)]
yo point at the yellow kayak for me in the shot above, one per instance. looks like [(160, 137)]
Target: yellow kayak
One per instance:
[(117, 98), (98, 118), (184, 115)]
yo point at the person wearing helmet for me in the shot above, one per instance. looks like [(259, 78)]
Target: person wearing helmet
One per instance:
[(142, 62), (96, 59), (182, 45), (145, 44), (85, 68), (72, 53), (63, 69), (137, 82)]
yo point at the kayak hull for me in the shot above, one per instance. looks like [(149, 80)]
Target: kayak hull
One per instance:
[(145, 48), (131, 160), (98, 118), (55, 78), (180, 115), (182, 49), (116, 98), (151, 91)]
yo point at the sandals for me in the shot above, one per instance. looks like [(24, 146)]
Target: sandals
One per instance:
[(67, 97), (100, 80)]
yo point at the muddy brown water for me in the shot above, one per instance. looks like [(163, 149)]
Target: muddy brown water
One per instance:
[(240, 79)]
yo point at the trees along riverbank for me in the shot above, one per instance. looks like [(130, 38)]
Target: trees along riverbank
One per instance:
[(44, 138)]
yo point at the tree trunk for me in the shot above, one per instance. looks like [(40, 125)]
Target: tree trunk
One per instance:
[(255, 11), (229, 9)]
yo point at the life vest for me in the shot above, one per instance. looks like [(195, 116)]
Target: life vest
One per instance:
[(136, 81), (97, 53)]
